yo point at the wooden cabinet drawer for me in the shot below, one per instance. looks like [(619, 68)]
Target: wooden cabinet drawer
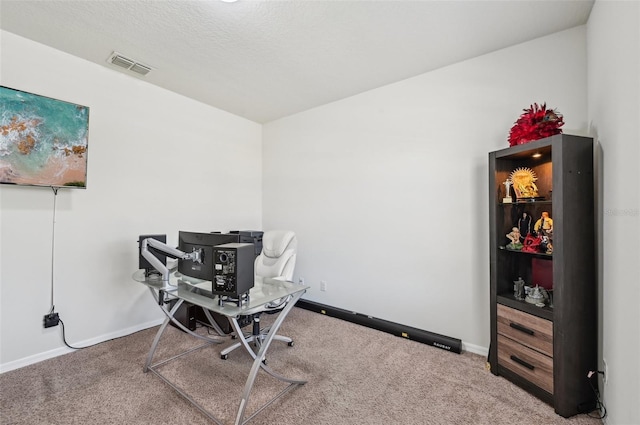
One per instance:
[(530, 364), (532, 331)]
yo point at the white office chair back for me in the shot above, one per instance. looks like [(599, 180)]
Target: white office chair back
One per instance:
[(278, 257)]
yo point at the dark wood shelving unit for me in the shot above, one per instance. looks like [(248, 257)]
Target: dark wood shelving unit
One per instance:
[(547, 350)]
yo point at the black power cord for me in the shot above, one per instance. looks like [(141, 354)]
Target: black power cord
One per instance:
[(64, 339), (54, 317), (599, 407)]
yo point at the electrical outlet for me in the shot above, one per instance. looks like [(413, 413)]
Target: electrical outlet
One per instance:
[(605, 366), (51, 319), (323, 285)]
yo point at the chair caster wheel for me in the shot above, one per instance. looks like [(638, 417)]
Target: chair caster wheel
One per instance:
[(224, 356), (264, 362), (290, 343)]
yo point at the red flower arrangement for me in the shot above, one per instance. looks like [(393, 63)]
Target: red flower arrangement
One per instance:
[(535, 123)]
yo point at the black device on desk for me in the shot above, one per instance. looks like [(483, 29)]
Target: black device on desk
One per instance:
[(205, 242), (233, 269)]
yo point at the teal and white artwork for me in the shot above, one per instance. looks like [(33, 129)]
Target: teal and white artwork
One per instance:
[(43, 141)]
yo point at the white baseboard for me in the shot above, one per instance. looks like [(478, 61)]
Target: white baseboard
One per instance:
[(476, 349), (36, 358)]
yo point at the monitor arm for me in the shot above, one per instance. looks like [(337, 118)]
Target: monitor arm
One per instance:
[(195, 255)]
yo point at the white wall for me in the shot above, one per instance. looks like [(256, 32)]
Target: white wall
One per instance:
[(388, 189), (613, 35), (158, 163)]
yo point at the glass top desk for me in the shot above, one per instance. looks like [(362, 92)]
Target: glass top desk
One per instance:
[(261, 298)]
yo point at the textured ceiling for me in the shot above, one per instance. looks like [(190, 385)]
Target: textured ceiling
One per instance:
[(264, 60)]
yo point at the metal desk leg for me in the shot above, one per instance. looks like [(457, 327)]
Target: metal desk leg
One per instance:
[(257, 362), (170, 318), (156, 340)]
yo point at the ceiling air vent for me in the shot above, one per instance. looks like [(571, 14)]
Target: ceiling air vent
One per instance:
[(130, 64), (140, 69)]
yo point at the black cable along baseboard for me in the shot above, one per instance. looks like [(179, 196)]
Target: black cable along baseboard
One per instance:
[(415, 334)]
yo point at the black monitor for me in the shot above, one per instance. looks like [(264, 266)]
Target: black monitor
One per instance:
[(189, 241), (160, 255), (250, 236)]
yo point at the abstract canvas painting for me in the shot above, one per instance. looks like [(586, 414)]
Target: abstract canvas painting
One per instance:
[(43, 141)]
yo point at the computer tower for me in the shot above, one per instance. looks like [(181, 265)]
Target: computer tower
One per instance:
[(186, 315), (221, 321), (233, 269)]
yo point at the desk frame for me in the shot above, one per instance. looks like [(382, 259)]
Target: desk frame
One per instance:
[(257, 358)]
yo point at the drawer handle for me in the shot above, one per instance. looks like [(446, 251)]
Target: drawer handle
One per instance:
[(521, 328), (522, 363)]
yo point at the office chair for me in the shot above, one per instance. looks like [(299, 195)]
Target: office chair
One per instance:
[(277, 261)]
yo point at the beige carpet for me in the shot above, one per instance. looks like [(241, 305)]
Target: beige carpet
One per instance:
[(356, 376)]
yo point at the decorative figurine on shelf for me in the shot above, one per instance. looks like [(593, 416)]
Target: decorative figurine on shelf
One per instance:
[(531, 243), (524, 224), (544, 224), (518, 289), (523, 180), (507, 195), (537, 296), (545, 245), (514, 237)]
